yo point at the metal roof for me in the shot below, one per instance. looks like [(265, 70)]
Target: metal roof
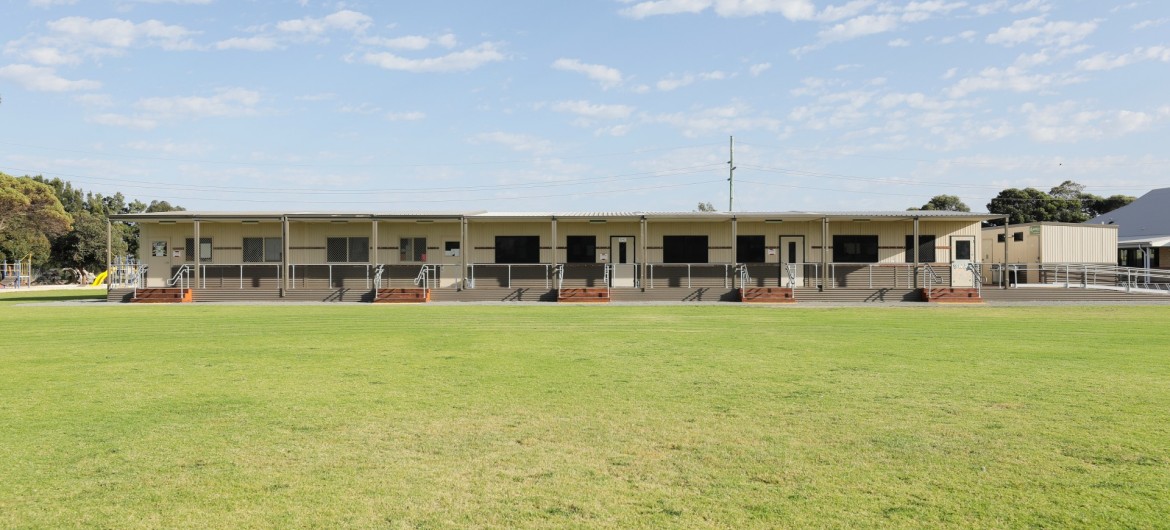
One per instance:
[(1146, 220), (692, 216)]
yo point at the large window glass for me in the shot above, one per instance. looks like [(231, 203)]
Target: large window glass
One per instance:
[(855, 249), (262, 249), (517, 249), (684, 249), (204, 249), (347, 249), (749, 249), (412, 249), (581, 249), (925, 249)]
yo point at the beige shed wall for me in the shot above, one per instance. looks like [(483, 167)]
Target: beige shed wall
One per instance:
[(603, 232), (1078, 244), (481, 239), (437, 234), (718, 238)]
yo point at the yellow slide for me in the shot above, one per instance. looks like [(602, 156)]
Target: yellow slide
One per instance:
[(101, 278)]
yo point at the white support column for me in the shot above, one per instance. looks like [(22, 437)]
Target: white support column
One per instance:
[(916, 257), (374, 242), (284, 259), (198, 255)]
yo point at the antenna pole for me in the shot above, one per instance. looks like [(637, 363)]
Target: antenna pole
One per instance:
[(731, 174)]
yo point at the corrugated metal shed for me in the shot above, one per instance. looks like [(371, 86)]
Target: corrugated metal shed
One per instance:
[(1145, 221)]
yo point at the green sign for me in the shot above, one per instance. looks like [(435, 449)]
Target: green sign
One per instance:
[(1034, 230)]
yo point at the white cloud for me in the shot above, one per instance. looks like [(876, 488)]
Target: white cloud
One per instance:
[(898, 43), (1012, 78), (116, 34), (94, 100), (736, 117), (412, 42), (841, 12), (406, 116), (790, 9), (119, 120), (594, 110), (50, 3), (608, 77), (1042, 32), (228, 102), (1068, 122), (757, 69), (344, 20), (50, 56), (1145, 24), (1105, 61), (44, 79), (258, 43), (516, 142), (672, 82), (460, 61)]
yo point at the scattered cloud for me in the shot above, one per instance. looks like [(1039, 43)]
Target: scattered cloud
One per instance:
[(790, 9), (1042, 32), (608, 77), (153, 111), (1146, 24), (344, 20), (51, 3), (1106, 61), (459, 61), (1011, 79), (44, 79), (593, 110), (757, 69), (406, 116), (736, 117), (258, 43), (673, 82), (94, 100), (413, 42), (898, 43), (517, 142), (1068, 122)]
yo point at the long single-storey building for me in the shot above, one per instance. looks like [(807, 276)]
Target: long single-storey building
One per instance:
[(582, 256)]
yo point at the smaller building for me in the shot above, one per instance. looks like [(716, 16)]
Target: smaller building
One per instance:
[(1050, 243)]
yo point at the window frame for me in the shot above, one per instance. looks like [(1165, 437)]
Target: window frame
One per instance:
[(684, 249), (581, 249), (189, 249), (927, 250), (354, 247), (517, 250), (864, 242), (754, 245)]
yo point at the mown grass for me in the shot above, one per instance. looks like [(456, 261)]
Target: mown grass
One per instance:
[(539, 416)]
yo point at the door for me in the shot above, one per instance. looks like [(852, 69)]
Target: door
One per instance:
[(962, 252), (791, 261), (621, 249)]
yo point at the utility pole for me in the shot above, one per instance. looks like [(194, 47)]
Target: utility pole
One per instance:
[(731, 174)]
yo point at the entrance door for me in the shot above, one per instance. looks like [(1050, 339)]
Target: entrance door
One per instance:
[(622, 254), (962, 255), (792, 259)]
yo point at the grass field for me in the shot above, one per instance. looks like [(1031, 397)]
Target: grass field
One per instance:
[(550, 416)]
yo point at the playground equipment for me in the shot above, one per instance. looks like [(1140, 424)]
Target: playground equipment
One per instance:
[(101, 278), (17, 273)]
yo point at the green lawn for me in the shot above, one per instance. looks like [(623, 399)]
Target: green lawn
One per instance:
[(550, 416)]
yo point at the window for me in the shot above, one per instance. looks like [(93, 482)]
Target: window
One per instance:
[(261, 249), (999, 238), (749, 249), (517, 249), (451, 248), (925, 249), (684, 249), (963, 250), (1136, 257), (1018, 236), (412, 249), (581, 249), (855, 249), (204, 249), (347, 249)]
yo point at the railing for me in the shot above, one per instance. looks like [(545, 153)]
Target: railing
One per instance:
[(1080, 275), (931, 276), (427, 275), (20, 270), (512, 269), (181, 278), (203, 267), (790, 274), (902, 274), (712, 274), (560, 272), (745, 277), (605, 276), (330, 275), (976, 276), (378, 271)]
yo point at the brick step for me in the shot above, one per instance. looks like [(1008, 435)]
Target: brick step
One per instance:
[(952, 295), (766, 295), (584, 294), (164, 295), (401, 296)]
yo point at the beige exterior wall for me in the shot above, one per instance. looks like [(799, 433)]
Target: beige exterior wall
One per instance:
[(1052, 243), (603, 232), (437, 234), (481, 239), (718, 238)]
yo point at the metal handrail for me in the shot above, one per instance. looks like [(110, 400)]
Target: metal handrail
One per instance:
[(745, 277), (560, 272), (790, 272), (378, 275), (931, 276), (548, 272), (203, 270), (181, 278)]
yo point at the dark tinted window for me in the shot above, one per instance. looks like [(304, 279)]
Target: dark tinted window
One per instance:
[(581, 249), (925, 249), (517, 249), (749, 249), (855, 249), (684, 249)]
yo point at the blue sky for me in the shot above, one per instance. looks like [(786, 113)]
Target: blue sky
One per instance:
[(594, 105)]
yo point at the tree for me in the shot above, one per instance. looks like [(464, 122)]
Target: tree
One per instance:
[(947, 203), (1031, 205), (1103, 205), (30, 214), (706, 207)]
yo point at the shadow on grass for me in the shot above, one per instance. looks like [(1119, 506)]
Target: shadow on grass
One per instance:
[(49, 296)]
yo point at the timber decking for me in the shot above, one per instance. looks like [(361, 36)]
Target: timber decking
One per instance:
[(766, 295), (161, 295), (952, 295), (586, 295), (401, 296)]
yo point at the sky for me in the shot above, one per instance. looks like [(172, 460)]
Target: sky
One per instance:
[(587, 105)]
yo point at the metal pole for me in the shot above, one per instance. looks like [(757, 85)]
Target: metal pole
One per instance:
[(824, 252), (198, 254), (1006, 274), (109, 250), (731, 174), (734, 246), (916, 257), (285, 274)]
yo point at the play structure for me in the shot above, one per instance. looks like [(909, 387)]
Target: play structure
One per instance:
[(100, 279), (16, 274)]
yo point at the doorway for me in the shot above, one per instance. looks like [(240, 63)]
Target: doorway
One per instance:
[(962, 252), (792, 261), (623, 259)]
